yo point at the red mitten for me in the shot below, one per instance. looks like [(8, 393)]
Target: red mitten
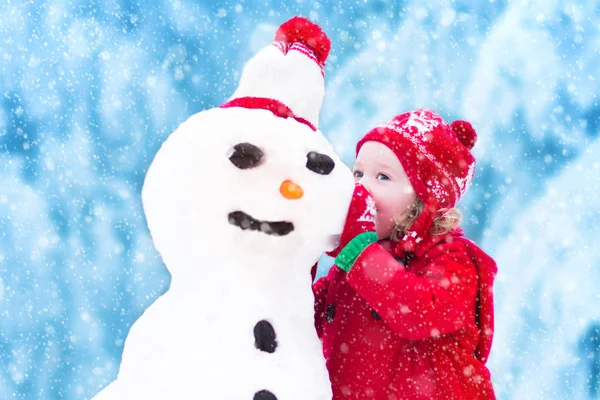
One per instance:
[(361, 215), (360, 221)]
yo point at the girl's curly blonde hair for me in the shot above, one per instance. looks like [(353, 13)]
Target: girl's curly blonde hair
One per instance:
[(445, 220)]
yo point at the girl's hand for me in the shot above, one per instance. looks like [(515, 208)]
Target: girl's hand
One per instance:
[(361, 215), (359, 230)]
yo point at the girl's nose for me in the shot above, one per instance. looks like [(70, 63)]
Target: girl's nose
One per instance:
[(291, 190)]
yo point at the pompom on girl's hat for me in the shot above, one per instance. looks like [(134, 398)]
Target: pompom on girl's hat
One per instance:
[(287, 77), (435, 155)]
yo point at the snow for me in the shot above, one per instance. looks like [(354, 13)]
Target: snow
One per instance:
[(89, 91), (193, 339), (549, 260), (416, 120), (203, 199)]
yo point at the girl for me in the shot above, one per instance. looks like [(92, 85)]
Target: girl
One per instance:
[(406, 312)]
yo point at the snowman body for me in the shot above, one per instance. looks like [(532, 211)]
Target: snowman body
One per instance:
[(237, 321)]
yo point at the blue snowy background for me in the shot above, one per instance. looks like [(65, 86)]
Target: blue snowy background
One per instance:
[(90, 89)]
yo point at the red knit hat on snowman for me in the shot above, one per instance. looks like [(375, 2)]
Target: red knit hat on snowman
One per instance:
[(287, 77), (437, 159)]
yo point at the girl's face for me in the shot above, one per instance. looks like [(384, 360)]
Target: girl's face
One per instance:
[(380, 171)]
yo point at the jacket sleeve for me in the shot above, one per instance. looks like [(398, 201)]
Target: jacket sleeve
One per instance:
[(440, 300), (319, 288)]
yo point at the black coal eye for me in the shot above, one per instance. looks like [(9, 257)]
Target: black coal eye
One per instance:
[(246, 155), (319, 163)]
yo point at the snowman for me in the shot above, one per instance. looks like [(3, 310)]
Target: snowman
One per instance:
[(241, 200)]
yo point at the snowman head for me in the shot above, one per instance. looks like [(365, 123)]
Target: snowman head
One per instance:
[(254, 178), (246, 182)]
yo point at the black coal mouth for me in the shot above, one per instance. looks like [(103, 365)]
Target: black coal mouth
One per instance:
[(245, 221)]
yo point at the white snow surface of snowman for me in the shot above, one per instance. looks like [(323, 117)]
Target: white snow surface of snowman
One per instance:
[(198, 341)]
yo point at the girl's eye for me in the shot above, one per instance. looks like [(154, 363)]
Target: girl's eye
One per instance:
[(358, 174), (383, 177)]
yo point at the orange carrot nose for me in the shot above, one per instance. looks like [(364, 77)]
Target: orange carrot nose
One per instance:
[(290, 190)]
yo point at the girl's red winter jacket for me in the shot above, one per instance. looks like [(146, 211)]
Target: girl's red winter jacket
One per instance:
[(420, 331)]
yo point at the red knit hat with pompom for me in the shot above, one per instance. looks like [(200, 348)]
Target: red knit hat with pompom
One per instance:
[(287, 77), (435, 155)]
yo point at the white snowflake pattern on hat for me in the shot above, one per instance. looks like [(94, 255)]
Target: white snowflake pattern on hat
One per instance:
[(437, 189), (417, 119), (463, 183)]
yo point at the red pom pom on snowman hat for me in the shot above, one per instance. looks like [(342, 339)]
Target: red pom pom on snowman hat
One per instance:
[(300, 29)]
